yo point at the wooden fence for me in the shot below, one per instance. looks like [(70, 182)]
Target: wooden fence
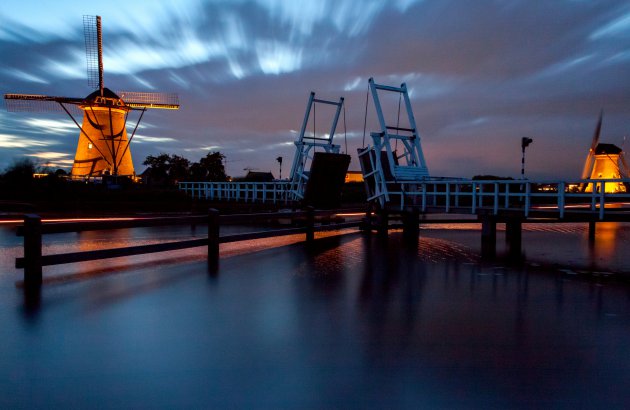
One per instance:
[(33, 230)]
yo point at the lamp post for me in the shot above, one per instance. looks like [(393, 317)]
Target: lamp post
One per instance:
[(525, 141), (279, 159)]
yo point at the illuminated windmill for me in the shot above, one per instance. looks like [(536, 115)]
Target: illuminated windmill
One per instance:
[(605, 161), (103, 146)]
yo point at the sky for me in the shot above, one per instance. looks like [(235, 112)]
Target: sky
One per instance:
[(481, 75)]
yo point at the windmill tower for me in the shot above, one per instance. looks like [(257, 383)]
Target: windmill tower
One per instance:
[(103, 144), (605, 161)]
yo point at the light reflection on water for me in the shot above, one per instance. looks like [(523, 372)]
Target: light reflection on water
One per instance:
[(353, 321)]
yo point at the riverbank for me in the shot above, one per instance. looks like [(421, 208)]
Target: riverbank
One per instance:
[(60, 199)]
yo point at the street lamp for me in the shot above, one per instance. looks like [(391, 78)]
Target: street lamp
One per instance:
[(525, 141), (279, 159)]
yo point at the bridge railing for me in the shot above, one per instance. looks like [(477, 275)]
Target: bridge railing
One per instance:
[(260, 192), (33, 231), (521, 196)]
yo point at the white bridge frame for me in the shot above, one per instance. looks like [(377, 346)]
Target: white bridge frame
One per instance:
[(413, 166), (456, 196), (522, 197), (277, 192), (305, 146)]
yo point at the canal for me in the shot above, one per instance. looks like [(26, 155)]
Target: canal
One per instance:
[(353, 321)]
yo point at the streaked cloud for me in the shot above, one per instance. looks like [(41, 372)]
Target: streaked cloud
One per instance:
[(15, 141), (277, 58), (138, 139), (479, 73), (619, 27), (51, 126), (50, 155)]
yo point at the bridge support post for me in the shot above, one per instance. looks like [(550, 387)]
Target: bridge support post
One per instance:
[(310, 224), (213, 240), (592, 227), (32, 251), (383, 222), (366, 224), (488, 236), (513, 236), (411, 225)]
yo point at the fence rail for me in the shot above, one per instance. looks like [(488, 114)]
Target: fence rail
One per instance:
[(517, 196), (33, 229), (277, 192)]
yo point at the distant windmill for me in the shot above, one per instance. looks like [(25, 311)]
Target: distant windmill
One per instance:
[(103, 146), (605, 161)]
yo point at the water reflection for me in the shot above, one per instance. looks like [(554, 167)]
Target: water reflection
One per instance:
[(605, 246), (349, 321)]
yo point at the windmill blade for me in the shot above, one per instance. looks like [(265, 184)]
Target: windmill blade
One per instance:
[(94, 51), (166, 101), (598, 129), (622, 158), (590, 158), (624, 164), (41, 103)]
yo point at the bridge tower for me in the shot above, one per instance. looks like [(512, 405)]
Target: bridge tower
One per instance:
[(396, 158), (305, 146)]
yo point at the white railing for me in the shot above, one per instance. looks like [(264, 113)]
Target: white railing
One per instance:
[(261, 192), (523, 196)]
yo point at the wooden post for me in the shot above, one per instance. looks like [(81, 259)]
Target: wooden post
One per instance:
[(513, 235), (310, 224), (488, 236), (383, 222), (32, 251), (366, 223), (213, 240), (592, 227), (411, 225)]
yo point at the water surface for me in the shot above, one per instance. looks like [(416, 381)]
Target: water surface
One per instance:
[(354, 321)]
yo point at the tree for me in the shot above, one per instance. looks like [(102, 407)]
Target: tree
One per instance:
[(20, 173), (209, 168), (158, 168), (169, 169), (178, 169)]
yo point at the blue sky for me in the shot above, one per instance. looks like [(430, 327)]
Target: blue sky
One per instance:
[(482, 74)]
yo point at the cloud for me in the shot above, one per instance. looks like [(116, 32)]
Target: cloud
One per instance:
[(50, 155), (138, 139), (480, 74), (15, 141)]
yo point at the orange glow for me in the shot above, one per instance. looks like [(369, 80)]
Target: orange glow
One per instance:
[(354, 176), (606, 166)]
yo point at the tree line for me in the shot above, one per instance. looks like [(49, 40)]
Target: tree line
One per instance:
[(162, 170), (165, 169)]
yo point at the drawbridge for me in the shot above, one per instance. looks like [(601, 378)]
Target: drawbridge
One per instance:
[(317, 174), (395, 160), (317, 177)]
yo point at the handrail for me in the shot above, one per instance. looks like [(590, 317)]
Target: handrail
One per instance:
[(264, 192), (33, 229), (522, 196)]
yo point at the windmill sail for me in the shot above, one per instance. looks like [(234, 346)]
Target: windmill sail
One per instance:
[(167, 101), (41, 103), (590, 158), (94, 51)]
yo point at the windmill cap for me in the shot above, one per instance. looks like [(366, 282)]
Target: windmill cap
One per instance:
[(607, 149), (107, 93)]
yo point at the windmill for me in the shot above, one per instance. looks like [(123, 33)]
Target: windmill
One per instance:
[(605, 161), (103, 145)]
